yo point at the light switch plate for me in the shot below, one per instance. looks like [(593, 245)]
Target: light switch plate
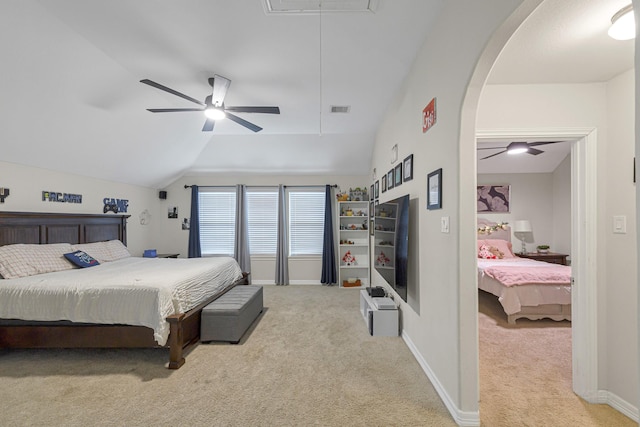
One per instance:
[(444, 224), (620, 224)]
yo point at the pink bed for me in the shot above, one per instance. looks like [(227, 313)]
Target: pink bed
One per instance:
[(524, 287)]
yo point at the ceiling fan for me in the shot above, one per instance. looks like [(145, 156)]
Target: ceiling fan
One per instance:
[(213, 106), (518, 148)]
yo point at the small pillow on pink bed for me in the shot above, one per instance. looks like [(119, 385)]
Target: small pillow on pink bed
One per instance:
[(502, 245), (485, 253)]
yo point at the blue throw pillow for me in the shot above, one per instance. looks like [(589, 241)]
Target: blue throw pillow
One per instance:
[(81, 259)]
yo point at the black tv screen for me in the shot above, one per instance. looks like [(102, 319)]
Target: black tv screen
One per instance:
[(391, 243)]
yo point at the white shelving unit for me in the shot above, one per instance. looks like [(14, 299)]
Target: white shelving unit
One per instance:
[(353, 238), (384, 254)]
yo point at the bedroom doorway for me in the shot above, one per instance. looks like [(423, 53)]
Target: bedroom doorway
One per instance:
[(583, 214)]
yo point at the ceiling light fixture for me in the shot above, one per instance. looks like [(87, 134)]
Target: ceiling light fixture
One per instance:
[(517, 148), (623, 24), (215, 113)]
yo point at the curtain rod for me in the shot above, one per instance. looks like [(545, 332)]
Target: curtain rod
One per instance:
[(260, 186)]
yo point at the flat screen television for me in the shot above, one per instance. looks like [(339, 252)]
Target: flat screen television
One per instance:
[(391, 243)]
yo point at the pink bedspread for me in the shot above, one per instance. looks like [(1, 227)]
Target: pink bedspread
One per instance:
[(511, 275)]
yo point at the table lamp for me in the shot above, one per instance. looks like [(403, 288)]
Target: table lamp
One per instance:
[(522, 230)]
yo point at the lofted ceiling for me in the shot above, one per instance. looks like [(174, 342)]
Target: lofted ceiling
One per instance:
[(72, 100)]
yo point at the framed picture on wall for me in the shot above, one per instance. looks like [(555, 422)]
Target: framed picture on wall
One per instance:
[(408, 168), (398, 175), (384, 183), (377, 189), (493, 198), (434, 190), (390, 179)]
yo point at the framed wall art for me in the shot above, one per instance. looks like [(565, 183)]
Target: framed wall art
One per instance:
[(408, 168), (377, 189), (434, 190), (384, 183), (493, 198), (398, 175), (390, 179)]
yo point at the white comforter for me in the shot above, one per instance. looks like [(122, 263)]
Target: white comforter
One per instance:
[(130, 291)]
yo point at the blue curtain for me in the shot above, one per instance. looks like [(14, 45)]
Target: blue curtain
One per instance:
[(194, 226), (241, 247), (282, 261), (329, 274)]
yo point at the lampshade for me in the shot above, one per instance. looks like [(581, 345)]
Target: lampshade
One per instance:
[(623, 24), (522, 226)]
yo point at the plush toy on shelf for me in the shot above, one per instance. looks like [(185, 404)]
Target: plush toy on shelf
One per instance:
[(382, 260), (348, 259)]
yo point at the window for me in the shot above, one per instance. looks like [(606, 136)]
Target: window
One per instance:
[(218, 221), (262, 216), (306, 222), (217, 209)]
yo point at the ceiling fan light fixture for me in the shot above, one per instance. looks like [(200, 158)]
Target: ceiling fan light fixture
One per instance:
[(215, 113), (517, 148), (623, 24)]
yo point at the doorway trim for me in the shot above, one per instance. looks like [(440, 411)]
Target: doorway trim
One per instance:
[(584, 309)]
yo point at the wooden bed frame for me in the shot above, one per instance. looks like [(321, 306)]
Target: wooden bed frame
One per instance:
[(557, 312), (43, 228)]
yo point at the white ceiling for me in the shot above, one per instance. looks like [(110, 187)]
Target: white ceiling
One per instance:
[(72, 100)]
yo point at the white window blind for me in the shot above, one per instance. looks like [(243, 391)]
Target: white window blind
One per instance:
[(262, 215), (217, 209), (306, 222)]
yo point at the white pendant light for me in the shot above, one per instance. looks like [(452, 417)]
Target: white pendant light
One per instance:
[(623, 24)]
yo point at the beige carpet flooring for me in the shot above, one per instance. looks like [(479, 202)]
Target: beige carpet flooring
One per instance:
[(308, 361), (525, 374)]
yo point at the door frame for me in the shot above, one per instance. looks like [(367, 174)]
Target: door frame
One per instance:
[(584, 307)]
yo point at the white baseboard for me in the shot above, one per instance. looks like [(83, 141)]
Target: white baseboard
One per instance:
[(462, 418), (619, 404)]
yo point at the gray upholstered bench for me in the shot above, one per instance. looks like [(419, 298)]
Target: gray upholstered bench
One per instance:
[(229, 317)]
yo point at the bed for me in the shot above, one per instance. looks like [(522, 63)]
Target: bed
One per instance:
[(525, 288), (173, 296)]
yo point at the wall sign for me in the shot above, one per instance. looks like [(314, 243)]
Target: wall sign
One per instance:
[(53, 196), (4, 193), (429, 116), (115, 205)]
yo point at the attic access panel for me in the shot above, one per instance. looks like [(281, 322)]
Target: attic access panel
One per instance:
[(315, 6)]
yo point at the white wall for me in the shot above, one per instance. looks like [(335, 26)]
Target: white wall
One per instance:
[(442, 331), (561, 238), (609, 108), (534, 197), (307, 270), (26, 185)]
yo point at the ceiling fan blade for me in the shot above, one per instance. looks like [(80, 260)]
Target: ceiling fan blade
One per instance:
[(220, 86), (500, 152), (244, 123), (172, 110), (534, 151), (266, 110), (169, 90), (491, 148), (534, 144), (208, 125)]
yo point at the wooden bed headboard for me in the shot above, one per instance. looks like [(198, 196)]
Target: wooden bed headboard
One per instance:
[(42, 228)]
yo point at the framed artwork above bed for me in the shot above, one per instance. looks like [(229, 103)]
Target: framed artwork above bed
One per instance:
[(493, 198)]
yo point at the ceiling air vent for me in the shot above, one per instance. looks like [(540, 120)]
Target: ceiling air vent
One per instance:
[(314, 6), (340, 108)]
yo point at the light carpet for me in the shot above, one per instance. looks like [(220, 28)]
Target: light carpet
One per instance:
[(307, 361), (525, 374)]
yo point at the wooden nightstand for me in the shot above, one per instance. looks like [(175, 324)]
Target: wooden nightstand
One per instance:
[(168, 255), (551, 257)]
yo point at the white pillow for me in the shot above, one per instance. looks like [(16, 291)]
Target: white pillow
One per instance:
[(111, 250), (22, 260)]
